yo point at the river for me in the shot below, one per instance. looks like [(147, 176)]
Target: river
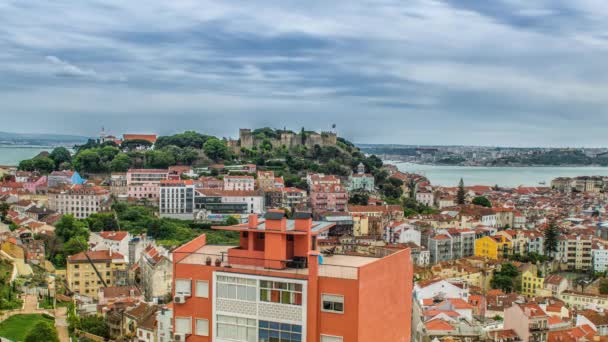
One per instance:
[(13, 154), (503, 176)]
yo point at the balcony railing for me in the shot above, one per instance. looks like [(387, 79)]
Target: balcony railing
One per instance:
[(239, 262)]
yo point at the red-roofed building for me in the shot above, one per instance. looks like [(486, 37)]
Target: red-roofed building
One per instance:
[(88, 271), (117, 241), (529, 321)]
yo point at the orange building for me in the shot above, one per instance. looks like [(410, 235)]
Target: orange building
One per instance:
[(276, 286)]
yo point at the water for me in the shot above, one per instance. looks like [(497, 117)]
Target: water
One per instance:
[(13, 154), (503, 176)]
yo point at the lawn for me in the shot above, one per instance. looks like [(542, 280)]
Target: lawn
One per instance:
[(17, 327)]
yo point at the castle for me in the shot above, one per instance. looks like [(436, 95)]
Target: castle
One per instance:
[(286, 138)]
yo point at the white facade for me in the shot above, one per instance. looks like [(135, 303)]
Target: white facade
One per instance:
[(118, 242), (403, 233), (424, 258), (176, 200), (600, 258), (255, 204), (489, 220), (239, 183), (79, 201), (425, 198), (164, 325)]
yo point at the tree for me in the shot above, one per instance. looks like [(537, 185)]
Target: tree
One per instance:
[(4, 207), (460, 195), (215, 149), (134, 144), (95, 325), (120, 163), (505, 278), (359, 199), (604, 286), (43, 164), (88, 161), (43, 331), (61, 155), (482, 201), (551, 234), (75, 245), (231, 221), (26, 165), (159, 159), (68, 227), (102, 222)]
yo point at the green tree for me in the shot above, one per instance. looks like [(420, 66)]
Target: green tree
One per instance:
[(4, 207), (75, 245), (159, 159), (215, 149), (551, 234), (95, 325), (43, 164), (604, 286), (102, 222), (61, 155), (42, 331), (460, 195), (482, 201), (231, 221), (26, 165), (68, 227), (88, 161), (120, 163), (359, 199)]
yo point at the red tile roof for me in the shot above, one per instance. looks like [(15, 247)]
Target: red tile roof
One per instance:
[(95, 256), (147, 137), (115, 236), (438, 325)]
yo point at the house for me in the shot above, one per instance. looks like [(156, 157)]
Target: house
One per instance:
[(87, 273), (528, 321), (598, 320), (328, 197), (401, 232), (531, 281), (308, 298), (164, 324), (149, 138), (117, 241), (580, 300), (156, 273), (493, 247), (425, 197), (361, 181), (575, 250), (113, 294), (135, 317), (556, 284)]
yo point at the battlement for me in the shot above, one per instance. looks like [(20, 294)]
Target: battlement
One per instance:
[(247, 139)]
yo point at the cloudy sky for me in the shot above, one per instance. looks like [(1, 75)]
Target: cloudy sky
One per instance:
[(500, 72)]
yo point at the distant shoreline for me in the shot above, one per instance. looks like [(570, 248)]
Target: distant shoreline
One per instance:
[(492, 166)]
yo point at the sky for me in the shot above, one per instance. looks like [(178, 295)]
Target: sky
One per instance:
[(466, 72)]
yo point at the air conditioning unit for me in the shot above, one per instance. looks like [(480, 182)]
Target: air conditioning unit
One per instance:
[(180, 299), (179, 337)]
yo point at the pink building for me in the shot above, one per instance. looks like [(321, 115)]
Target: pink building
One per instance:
[(528, 321), (145, 183), (239, 183), (32, 185), (328, 197), (210, 183)]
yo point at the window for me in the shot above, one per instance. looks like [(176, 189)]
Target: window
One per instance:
[(183, 325), (236, 328), (280, 292), (183, 286), (272, 331), (328, 338), (202, 288), (236, 288), (332, 303), (202, 327)]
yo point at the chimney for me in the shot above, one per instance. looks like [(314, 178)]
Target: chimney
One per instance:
[(253, 221), (303, 221), (110, 252)]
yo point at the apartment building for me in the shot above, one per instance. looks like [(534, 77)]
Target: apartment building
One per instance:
[(425, 197), (117, 241), (65, 177), (176, 199), (531, 281), (145, 183), (580, 300), (228, 202), (276, 286), (450, 244), (328, 197), (575, 251), (85, 272), (79, 200), (528, 321), (118, 184), (289, 197), (361, 181), (239, 183)]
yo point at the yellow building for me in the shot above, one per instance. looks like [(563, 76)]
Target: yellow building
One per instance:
[(360, 225), (81, 275), (531, 283), (493, 247)]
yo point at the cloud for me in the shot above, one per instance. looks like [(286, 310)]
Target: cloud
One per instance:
[(385, 71), (66, 69)]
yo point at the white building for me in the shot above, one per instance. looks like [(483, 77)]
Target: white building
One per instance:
[(439, 288), (401, 232), (79, 200), (600, 257), (239, 183), (425, 198), (176, 199), (118, 242), (489, 220), (164, 325)]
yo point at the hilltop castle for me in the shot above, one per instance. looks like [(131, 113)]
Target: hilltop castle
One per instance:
[(247, 139)]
